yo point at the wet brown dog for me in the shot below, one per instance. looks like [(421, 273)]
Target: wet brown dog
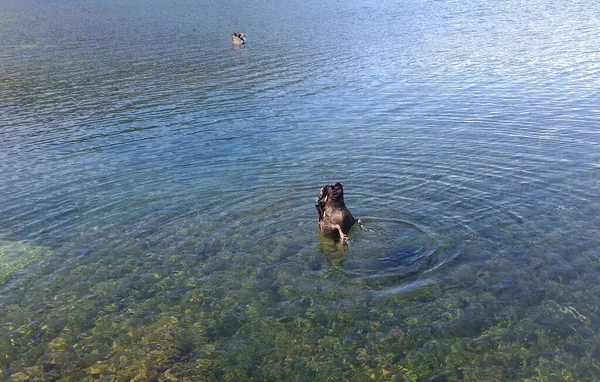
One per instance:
[(334, 218)]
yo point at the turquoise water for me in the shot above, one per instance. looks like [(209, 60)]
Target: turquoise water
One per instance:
[(157, 190)]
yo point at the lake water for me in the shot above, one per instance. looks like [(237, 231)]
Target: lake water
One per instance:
[(157, 190)]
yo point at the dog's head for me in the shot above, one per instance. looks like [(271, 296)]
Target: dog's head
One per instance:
[(331, 194), (240, 36)]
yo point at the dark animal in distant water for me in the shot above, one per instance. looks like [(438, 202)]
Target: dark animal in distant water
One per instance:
[(238, 38), (334, 218)]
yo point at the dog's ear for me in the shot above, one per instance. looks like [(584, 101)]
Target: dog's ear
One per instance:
[(337, 191)]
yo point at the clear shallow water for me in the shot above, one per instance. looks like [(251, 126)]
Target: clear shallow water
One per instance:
[(157, 191)]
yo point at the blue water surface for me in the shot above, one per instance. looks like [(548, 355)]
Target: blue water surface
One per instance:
[(157, 190)]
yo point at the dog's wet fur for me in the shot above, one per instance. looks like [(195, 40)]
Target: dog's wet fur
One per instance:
[(335, 219)]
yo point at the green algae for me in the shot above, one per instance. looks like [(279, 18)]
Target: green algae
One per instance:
[(16, 256), (191, 309)]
